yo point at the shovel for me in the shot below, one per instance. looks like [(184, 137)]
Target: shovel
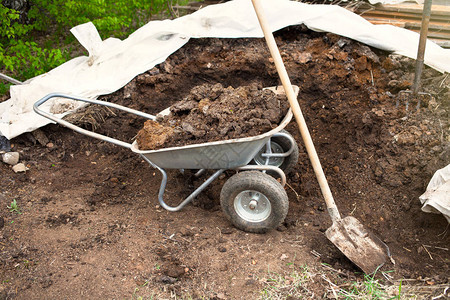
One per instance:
[(363, 248)]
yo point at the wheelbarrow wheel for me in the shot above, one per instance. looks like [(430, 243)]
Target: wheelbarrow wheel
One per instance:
[(279, 144), (254, 201)]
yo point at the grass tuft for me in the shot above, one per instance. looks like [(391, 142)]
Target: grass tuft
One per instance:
[(14, 207)]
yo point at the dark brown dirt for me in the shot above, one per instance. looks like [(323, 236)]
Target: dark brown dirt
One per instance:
[(212, 113), (90, 226)]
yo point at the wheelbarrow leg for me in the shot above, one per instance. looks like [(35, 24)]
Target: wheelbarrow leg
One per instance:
[(190, 197)]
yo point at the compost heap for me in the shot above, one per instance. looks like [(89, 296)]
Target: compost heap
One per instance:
[(212, 113)]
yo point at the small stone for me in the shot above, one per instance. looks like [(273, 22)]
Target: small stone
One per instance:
[(11, 158), (19, 168), (222, 249), (50, 145), (336, 169)]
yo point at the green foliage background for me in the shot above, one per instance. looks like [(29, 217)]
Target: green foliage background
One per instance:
[(44, 41)]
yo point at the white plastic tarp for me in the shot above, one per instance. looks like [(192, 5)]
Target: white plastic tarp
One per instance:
[(112, 63), (436, 199)]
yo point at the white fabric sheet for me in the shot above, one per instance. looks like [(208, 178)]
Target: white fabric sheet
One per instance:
[(112, 63), (436, 199)]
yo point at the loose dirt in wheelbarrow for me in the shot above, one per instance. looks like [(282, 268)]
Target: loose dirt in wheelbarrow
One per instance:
[(212, 113)]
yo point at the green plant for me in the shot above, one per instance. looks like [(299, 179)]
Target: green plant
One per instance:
[(369, 288), (26, 59), (399, 290), (135, 296), (20, 57), (26, 263), (4, 87), (48, 21), (14, 207)]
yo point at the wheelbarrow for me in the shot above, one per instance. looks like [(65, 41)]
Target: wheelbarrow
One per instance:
[(253, 201)]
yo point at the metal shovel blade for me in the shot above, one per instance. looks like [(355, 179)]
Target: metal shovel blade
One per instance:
[(358, 244)]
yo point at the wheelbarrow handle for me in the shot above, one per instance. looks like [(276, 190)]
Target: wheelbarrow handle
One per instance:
[(81, 130)]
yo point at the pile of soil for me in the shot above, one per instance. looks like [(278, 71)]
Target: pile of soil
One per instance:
[(212, 113), (90, 223)]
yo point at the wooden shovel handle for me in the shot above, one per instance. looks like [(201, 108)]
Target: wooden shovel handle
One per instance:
[(326, 192)]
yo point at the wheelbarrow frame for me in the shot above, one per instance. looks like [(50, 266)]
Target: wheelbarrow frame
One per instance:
[(235, 154)]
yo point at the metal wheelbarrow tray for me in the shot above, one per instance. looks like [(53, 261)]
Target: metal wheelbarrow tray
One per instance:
[(253, 201)]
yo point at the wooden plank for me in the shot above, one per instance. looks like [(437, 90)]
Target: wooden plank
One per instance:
[(431, 27), (434, 18), (406, 20), (377, 21), (431, 33), (415, 8), (407, 24), (440, 35), (409, 16)]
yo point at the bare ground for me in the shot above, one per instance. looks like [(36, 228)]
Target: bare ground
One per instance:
[(90, 225)]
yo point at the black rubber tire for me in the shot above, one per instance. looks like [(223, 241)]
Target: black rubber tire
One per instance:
[(289, 162), (263, 184)]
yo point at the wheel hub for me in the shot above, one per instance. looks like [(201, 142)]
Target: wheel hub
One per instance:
[(252, 206)]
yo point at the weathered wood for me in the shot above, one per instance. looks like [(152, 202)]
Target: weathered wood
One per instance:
[(409, 16), (445, 19), (436, 10)]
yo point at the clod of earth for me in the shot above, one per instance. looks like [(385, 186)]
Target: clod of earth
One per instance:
[(212, 113)]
